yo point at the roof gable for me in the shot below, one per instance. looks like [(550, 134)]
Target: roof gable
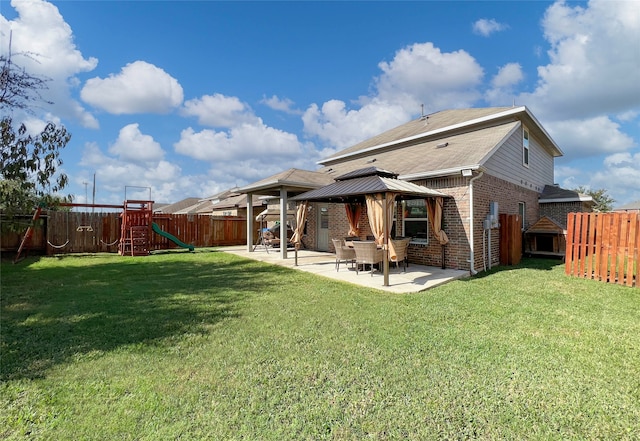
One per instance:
[(469, 150), (442, 126)]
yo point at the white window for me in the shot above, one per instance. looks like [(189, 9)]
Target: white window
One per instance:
[(522, 210), (415, 223), (525, 147)]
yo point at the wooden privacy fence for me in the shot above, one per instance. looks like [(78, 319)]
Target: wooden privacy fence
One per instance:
[(62, 232), (603, 246)]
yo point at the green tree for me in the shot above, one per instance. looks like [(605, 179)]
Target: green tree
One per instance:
[(29, 163), (602, 201)]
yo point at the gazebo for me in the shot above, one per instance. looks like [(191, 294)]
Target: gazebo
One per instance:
[(377, 190), (282, 185)]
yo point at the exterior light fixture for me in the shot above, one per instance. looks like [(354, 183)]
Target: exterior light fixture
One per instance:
[(467, 173)]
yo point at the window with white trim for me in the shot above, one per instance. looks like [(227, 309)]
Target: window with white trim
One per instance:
[(522, 210), (525, 147), (415, 222)]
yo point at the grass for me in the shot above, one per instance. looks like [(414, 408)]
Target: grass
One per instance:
[(211, 346)]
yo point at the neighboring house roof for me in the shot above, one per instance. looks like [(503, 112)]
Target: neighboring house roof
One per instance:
[(178, 206), (222, 195), (554, 194), (632, 206), (235, 200), (440, 144), (195, 208), (294, 179)]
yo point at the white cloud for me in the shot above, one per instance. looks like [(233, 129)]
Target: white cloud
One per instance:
[(486, 27), (140, 87), (133, 145), (421, 73), (594, 51), (586, 137), (503, 84), (40, 30), (114, 173), (509, 75), (281, 104), (246, 149), (418, 74), (626, 169), (342, 127), (243, 141), (218, 110)]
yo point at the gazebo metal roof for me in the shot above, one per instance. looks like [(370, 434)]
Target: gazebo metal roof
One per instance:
[(353, 186)]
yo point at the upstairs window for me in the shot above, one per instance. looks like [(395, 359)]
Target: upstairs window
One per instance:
[(525, 147)]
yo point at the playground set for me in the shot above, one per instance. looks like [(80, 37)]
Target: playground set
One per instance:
[(137, 226)]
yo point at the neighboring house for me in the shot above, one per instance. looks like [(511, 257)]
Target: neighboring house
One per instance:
[(180, 207), (235, 204), (633, 207), (484, 159)]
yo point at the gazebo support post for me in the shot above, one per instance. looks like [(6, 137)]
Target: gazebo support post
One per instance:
[(385, 244), (283, 223), (249, 222)]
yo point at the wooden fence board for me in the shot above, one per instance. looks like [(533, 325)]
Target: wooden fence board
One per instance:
[(568, 255), (604, 247), (591, 250)]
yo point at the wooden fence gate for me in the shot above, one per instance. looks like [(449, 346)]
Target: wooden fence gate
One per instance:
[(510, 239), (603, 246)]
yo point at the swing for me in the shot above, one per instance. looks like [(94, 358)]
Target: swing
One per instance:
[(102, 241), (64, 244), (110, 244)]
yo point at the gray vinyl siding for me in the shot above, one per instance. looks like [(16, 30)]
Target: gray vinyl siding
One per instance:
[(506, 163)]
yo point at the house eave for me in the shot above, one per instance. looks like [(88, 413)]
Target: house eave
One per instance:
[(271, 185), (438, 173), (565, 200)]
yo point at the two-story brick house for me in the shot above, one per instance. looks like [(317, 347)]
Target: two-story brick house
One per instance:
[(484, 159)]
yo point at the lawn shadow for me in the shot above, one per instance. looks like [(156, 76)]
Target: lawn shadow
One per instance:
[(536, 263), (51, 314)]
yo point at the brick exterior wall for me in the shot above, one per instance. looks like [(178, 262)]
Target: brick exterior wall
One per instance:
[(558, 211), (455, 221)]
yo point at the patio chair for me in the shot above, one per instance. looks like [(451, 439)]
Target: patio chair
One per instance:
[(400, 247), (343, 253), (367, 253)]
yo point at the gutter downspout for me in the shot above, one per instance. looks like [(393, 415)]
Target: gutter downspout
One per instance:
[(471, 246)]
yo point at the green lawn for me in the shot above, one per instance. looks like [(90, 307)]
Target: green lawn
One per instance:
[(208, 345)]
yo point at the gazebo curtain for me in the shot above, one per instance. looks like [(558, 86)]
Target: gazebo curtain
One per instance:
[(434, 209), (375, 214), (353, 215), (301, 217)]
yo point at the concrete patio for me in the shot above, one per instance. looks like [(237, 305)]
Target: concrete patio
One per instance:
[(416, 278)]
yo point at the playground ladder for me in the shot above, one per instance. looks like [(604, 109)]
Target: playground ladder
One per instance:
[(135, 232)]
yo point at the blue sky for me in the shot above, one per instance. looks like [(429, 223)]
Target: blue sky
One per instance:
[(192, 98)]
